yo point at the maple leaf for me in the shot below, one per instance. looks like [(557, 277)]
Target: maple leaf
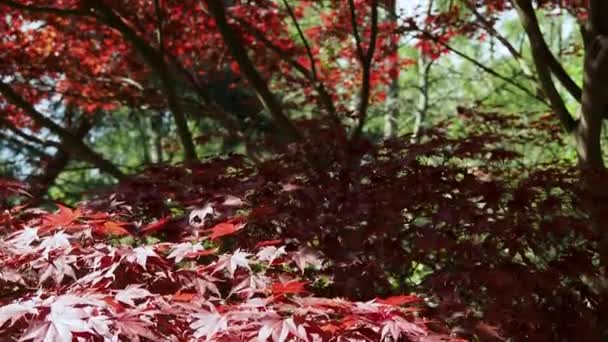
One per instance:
[(183, 296), (206, 282), (208, 324), (98, 276), (225, 228), (334, 304), (305, 257), (15, 311), (255, 303), (12, 276), (251, 285), (399, 300), (13, 186), (63, 218), (231, 262), (155, 226), (398, 326), (273, 325), (58, 268), (56, 241), (367, 307), (112, 228), (135, 323), (270, 253), (232, 201), (101, 325), (202, 253), (130, 293), (185, 250), (21, 241), (140, 255), (291, 287), (268, 243), (489, 331), (62, 320)]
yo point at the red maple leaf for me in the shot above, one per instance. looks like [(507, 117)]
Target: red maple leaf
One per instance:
[(112, 228), (155, 226), (202, 253), (63, 218), (399, 300), (268, 243), (291, 287), (184, 296), (225, 228)]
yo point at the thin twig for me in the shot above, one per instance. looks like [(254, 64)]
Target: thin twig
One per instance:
[(485, 68), (366, 63), (299, 67)]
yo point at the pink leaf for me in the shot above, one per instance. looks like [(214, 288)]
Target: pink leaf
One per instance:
[(208, 324), (130, 293), (15, 311)]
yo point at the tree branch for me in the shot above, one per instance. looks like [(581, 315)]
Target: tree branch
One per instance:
[(324, 96), (74, 145), (303, 39), (529, 21), (487, 25), (556, 67), (21, 145), (486, 69), (159, 27), (239, 53), (28, 137), (366, 59), (151, 56), (157, 63), (56, 165), (355, 28)]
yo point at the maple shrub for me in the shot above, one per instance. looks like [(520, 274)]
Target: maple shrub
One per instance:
[(256, 251), (302, 223)]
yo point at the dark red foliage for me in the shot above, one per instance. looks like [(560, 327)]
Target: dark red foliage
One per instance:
[(504, 251), (497, 250)]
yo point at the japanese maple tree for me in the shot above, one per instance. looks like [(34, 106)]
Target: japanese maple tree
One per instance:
[(318, 231)]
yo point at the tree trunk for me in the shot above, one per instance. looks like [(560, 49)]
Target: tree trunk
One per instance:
[(588, 134), (594, 104), (424, 72), (588, 142), (392, 113), (41, 183), (587, 129)]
